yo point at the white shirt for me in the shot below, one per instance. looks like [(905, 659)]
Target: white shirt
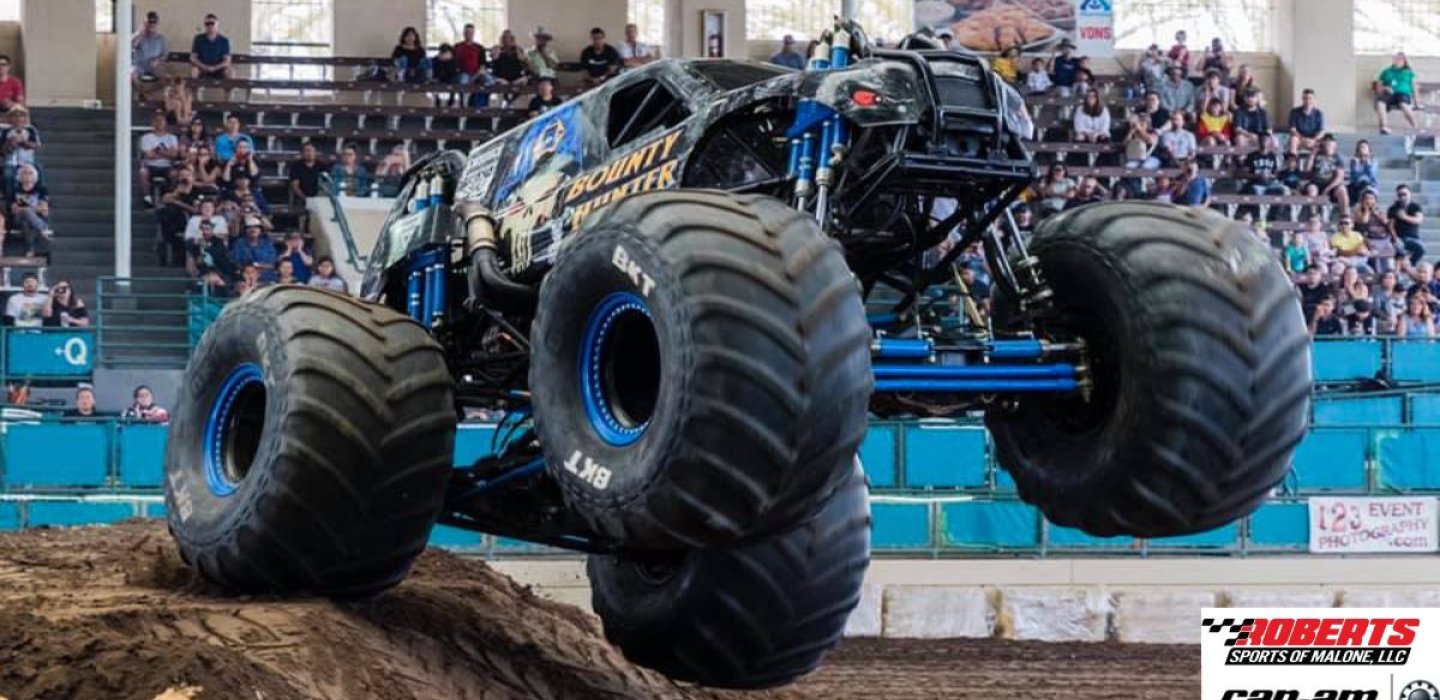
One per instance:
[(152, 141), (1086, 124), (192, 227), (639, 49), (27, 310)]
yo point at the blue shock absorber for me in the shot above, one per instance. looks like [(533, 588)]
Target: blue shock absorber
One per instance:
[(414, 293), (793, 169), (901, 349), (440, 297)]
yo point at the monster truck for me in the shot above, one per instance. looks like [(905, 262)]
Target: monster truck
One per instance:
[(687, 290)]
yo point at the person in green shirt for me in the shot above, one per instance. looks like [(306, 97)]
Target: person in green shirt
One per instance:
[(1395, 90)]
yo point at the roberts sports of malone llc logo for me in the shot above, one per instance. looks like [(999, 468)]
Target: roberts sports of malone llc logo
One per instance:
[(1316, 641)]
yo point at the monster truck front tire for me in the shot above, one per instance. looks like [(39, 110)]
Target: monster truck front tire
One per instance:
[(758, 614), (700, 369), (310, 446), (1201, 367)]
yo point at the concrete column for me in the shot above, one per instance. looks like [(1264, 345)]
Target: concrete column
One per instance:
[(1320, 54), (57, 72)]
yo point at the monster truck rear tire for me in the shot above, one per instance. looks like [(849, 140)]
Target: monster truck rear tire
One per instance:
[(700, 370), (757, 614), (1201, 366), (310, 446)]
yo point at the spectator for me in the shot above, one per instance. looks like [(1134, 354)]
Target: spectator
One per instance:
[(349, 176), (1192, 189), (1418, 321), (1152, 111), (226, 142), (144, 409), (471, 59), (1292, 176), (1178, 143), (1295, 255), (176, 207), (148, 50), (1214, 89), (1092, 120), (244, 197), (250, 280), (1007, 65), (633, 52), (1180, 55), (599, 60), (64, 309), (1089, 191), (1055, 190), (19, 144), (1164, 190), (305, 174), (255, 248), (1216, 60), (544, 99), (195, 134), (300, 259), (30, 206), (1037, 81), (1370, 221), (541, 57), (1176, 93), (243, 163), (206, 213), (788, 56), (1389, 301), (1364, 172), (210, 254), (1307, 123), (1140, 144), (210, 52), (1244, 82), (84, 404), (1362, 321), (409, 57), (1263, 166), (26, 308), (1150, 66), (159, 150), (179, 101), (1395, 89), (1422, 277), (1327, 173), (1349, 245), (325, 277), (1325, 322), (1215, 127), (285, 272), (1251, 120), (507, 61), (209, 171), (1063, 68), (1313, 290), (1319, 243), (1405, 217), (446, 72), (12, 91), (391, 171)]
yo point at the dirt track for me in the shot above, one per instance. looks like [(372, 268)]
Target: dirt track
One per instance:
[(112, 614)]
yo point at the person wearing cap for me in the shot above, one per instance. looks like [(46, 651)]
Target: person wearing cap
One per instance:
[(1063, 68), (1362, 320), (209, 254), (1263, 167), (256, 248), (148, 49), (1251, 120), (599, 60), (1177, 94), (633, 52), (542, 57), (788, 56)]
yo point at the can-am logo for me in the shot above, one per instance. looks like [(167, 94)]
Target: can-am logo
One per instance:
[(1337, 641)]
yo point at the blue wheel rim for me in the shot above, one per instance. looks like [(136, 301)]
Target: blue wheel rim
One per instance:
[(219, 474), (598, 337)]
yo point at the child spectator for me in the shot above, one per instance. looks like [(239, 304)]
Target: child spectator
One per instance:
[(1180, 54), (19, 143), (1296, 254), (1405, 217), (250, 280), (1395, 89), (64, 309), (1037, 81), (26, 308), (12, 91), (1215, 126), (349, 176), (1325, 322), (299, 258), (1007, 65), (1364, 172), (285, 272), (210, 52), (144, 409), (30, 206), (1389, 301), (544, 99), (409, 57), (1092, 120), (1292, 176), (1361, 321), (1327, 173), (1307, 123), (325, 277)]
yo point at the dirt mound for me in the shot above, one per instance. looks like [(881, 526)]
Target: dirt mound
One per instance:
[(112, 614)]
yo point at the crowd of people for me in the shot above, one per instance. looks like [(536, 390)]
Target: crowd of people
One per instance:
[(25, 211)]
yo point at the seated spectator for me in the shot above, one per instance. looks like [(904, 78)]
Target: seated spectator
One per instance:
[(1251, 120), (1375, 225), (1158, 116), (1055, 190), (1216, 61), (305, 174), (210, 52), (144, 409), (1319, 243), (1353, 288), (325, 277), (243, 163), (1164, 189), (1349, 245), (1405, 217), (1418, 321), (26, 308), (1089, 191), (1192, 189), (1292, 176), (19, 144), (1325, 322), (1263, 167), (209, 170), (300, 259), (1213, 88), (787, 56), (1092, 120), (1215, 127), (633, 52), (196, 135), (409, 57), (541, 58), (12, 91), (1422, 277), (245, 198), (1307, 123), (1176, 93), (1007, 65), (1064, 66), (599, 60), (250, 280), (446, 72), (84, 404), (1084, 82), (1243, 82), (391, 171), (206, 213), (471, 58), (1388, 300), (1140, 144), (1362, 321), (1327, 173), (1395, 89), (1179, 54), (64, 308), (227, 141), (1178, 144), (1150, 66), (1364, 172), (30, 206), (159, 149), (349, 176), (148, 50), (210, 255), (1313, 289), (255, 248), (507, 61), (179, 101), (1037, 81), (176, 208), (1296, 254), (544, 99), (285, 272)]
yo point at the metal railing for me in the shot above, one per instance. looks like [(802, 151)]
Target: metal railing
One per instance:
[(150, 322), (355, 258)]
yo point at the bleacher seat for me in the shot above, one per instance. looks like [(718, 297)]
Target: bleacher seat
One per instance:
[(1409, 459), (989, 524), (1346, 360), (900, 526), (142, 456), (877, 455), (78, 513), (1281, 525), (53, 455), (945, 457), (1415, 360), (1057, 537), (1425, 409), (1332, 460), (1376, 411)]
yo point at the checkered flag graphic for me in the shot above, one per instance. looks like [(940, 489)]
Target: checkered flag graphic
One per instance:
[(1239, 628)]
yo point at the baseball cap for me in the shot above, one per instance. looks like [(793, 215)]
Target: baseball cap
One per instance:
[(152, 15), (542, 33), (252, 222)]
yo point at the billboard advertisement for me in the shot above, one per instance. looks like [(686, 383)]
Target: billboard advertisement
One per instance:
[(991, 26)]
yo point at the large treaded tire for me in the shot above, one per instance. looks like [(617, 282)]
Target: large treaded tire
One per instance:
[(351, 436), (742, 354), (757, 615), (1201, 362)]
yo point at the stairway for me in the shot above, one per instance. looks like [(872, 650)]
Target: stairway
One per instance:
[(1396, 168)]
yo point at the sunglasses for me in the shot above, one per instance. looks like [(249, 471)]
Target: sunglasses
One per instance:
[(209, 24)]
